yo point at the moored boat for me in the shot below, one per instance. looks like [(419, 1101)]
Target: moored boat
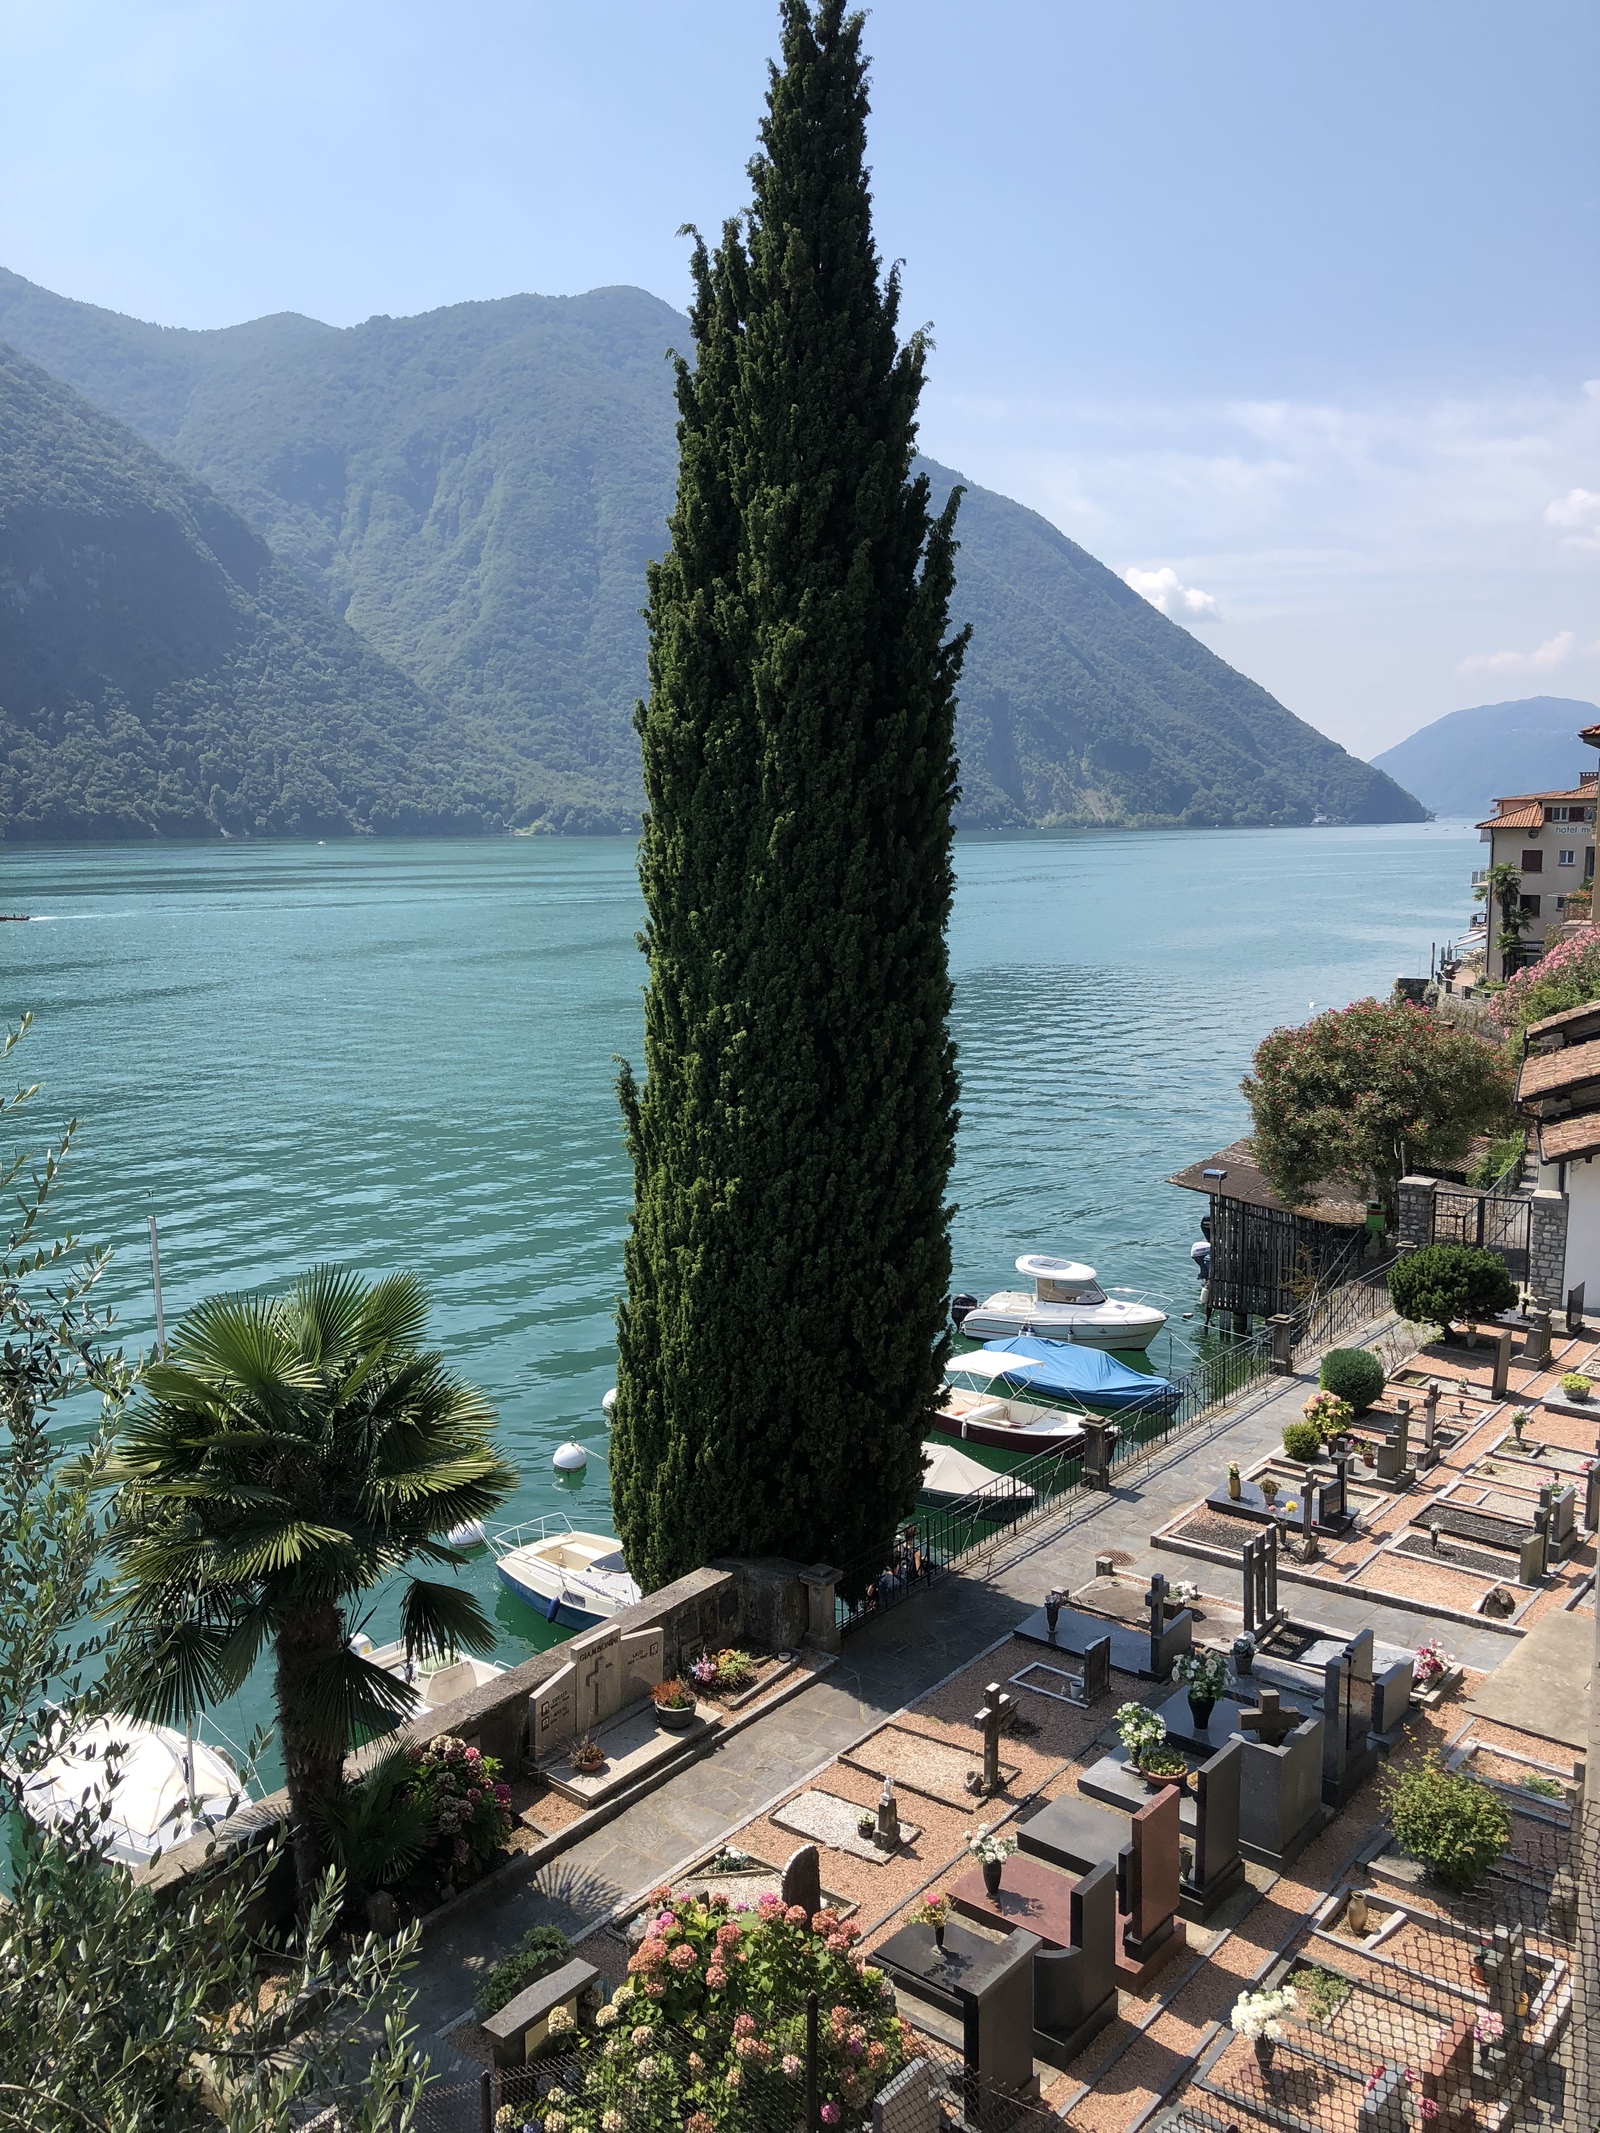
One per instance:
[(437, 1681), (1084, 1380), (162, 1786), (983, 1406), (952, 1477), (1067, 1304), (574, 1578)]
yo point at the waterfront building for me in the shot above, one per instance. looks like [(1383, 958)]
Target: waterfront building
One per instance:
[(1548, 838)]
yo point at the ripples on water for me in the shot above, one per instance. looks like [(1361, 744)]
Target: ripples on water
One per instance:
[(402, 1055)]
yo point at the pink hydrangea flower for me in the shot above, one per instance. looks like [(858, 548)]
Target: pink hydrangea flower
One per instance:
[(795, 1915), (831, 2114), (682, 1957)]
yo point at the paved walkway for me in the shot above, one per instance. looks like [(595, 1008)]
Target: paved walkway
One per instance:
[(885, 1665)]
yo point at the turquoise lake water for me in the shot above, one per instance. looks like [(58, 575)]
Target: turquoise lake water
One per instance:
[(401, 1055)]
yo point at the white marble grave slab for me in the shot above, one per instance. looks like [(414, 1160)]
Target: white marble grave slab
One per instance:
[(597, 1662), (936, 1769), (643, 1654), (552, 1712), (826, 1819)]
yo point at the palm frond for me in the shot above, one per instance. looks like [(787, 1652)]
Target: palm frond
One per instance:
[(344, 1698), (439, 1620), (178, 1674)]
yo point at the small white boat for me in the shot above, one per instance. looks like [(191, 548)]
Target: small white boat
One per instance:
[(575, 1578), (167, 1785), (978, 1405), (949, 1476), (1067, 1304), (436, 1681)]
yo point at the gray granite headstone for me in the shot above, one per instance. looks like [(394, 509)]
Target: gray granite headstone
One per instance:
[(1072, 1986), (1218, 1868)]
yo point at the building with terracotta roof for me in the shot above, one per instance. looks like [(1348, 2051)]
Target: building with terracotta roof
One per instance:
[(1547, 839), (1558, 1087)]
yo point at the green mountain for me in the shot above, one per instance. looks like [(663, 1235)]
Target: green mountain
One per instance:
[(1462, 762), (161, 674), (476, 491)]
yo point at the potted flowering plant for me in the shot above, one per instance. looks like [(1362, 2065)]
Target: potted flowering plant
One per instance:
[(1575, 1385), (1331, 1415), (466, 1805), (1519, 1422), (1205, 1674), (675, 1705), (932, 1911), (586, 1756), (1430, 1665), (1144, 1736), (1259, 2016), (991, 1852), (722, 1672)]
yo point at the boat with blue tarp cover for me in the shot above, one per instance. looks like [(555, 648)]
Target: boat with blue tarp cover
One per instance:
[(1083, 1377), (1007, 1406)]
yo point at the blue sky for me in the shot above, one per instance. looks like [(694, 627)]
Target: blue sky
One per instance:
[(1289, 312)]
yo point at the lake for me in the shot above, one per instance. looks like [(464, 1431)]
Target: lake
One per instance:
[(401, 1055)]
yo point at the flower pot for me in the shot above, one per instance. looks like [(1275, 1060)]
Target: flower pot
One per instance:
[(992, 1869), (1200, 1710), (1244, 1654), (1269, 1493), (1233, 1487), (671, 1721), (1264, 2051)]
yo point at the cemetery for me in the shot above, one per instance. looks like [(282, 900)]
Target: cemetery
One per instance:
[(1143, 1863)]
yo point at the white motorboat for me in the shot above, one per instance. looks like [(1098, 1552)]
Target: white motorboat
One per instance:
[(163, 1785), (979, 1405), (1067, 1304), (437, 1681), (575, 1578)]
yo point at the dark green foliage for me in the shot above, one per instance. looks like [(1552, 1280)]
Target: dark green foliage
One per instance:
[(541, 1950), (781, 1340), (1302, 1440), (1454, 1823), (1352, 1374), (477, 491), (373, 1830), (1445, 1282), (162, 675)]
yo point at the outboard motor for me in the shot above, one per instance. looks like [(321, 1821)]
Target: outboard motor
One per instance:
[(1201, 1255), (959, 1307)]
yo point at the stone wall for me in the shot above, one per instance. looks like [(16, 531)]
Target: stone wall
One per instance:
[(731, 1602), (1547, 1248)]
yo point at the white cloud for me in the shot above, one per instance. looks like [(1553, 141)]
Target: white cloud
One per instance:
[(1164, 589), (1554, 652), (1577, 514)]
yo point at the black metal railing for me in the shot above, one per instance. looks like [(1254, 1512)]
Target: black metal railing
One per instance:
[(1325, 1320), (935, 1541)]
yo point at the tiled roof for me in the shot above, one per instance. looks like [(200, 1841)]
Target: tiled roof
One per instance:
[(1547, 1073), (1523, 818), (1591, 734), (1567, 1017), (1242, 1181), (1565, 1138)]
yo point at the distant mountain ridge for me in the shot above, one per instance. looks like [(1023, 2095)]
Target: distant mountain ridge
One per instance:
[(1461, 763), (476, 492), (161, 674)]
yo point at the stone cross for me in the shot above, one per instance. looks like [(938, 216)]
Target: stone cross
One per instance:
[(1156, 1601), (1270, 1724), (997, 1708), (1505, 1965)]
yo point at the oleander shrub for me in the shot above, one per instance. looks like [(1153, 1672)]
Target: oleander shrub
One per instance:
[(1352, 1374), (1445, 1282), (542, 1949), (1451, 1821), (1302, 1441)]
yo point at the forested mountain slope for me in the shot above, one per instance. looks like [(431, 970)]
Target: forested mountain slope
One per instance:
[(162, 675), (477, 491), (1463, 762)]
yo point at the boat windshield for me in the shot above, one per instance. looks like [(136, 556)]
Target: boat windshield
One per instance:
[(616, 1562), (1090, 1293)]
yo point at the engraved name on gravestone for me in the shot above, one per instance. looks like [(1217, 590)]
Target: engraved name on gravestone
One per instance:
[(643, 1662)]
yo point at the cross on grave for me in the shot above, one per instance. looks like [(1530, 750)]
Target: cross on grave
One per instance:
[(1430, 1419), (888, 1831), (1505, 1966), (1268, 1722), (1156, 1601), (997, 1708)]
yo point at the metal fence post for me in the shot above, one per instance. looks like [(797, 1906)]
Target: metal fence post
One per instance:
[(486, 2101), (813, 2120)]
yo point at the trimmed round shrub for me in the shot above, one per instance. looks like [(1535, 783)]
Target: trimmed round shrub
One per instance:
[(1446, 1282), (1451, 1821), (1302, 1441), (1354, 1375)]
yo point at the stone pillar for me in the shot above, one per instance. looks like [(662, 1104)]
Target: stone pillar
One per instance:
[(1282, 1365), (1547, 1247), (1413, 1222), (822, 1629)]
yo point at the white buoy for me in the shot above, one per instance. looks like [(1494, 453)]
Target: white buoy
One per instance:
[(608, 1406), (570, 1459), (469, 1534)]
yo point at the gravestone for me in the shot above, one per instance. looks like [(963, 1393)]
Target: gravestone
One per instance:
[(1391, 1700), (1502, 1364), (1394, 1455), (1561, 1527), (1073, 1835), (1348, 1755), (1536, 1341), (1591, 1496), (1095, 1679), (1268, 1720), (1447, 2076), (1429, 1454), (802, 1880), (1308, 1521), (1075, 1988), (597, 1665), (909, 2103), (987, 1984), (1531, 1558), (553, 1713), (1333, 1498), (643, 1663), (1280, 1791), (1218, 1869), (1148, 1872), (997, 1709), (517, 2031), (1259, 1567), (888, 1818), (1505, 1966), (1383, 2104)]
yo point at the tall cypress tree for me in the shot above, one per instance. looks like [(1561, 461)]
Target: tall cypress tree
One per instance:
[(781, 1341)]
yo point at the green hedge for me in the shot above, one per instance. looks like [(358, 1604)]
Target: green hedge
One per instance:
[(1352, 1374)]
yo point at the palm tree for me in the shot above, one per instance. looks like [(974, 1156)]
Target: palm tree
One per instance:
[(288, 1455)]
